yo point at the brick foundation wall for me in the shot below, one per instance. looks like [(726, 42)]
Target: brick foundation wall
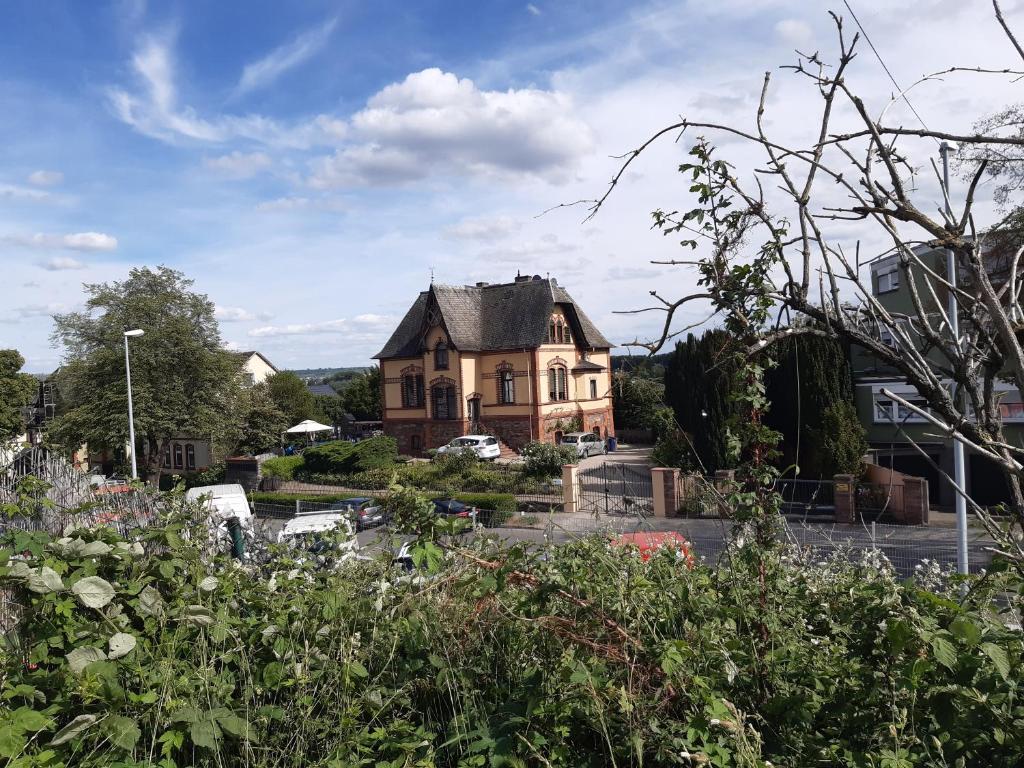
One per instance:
[(432, 434), (514, 431)]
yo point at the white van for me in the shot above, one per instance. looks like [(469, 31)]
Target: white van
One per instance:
[(224, 502)]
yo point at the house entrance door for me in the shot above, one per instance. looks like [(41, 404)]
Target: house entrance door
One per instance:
[(474, 410)]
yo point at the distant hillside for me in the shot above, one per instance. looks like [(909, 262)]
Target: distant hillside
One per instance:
[(632, 362), (318, 375)]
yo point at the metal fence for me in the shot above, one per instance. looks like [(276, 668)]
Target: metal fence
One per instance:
[(615, 490)]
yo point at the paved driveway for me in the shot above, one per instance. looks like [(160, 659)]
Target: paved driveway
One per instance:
[(635, 455)]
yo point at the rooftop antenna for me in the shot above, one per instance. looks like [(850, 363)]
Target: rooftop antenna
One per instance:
[(431, 275)]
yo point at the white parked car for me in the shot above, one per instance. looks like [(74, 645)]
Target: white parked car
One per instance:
[(313, 523), (585, 443), (484, 446), (225, 503)]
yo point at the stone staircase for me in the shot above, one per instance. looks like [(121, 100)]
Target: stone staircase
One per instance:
[(482, 428)]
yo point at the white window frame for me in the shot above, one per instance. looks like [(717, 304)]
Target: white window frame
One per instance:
[(887, 281)]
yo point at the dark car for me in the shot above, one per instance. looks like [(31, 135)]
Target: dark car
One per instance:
[(451, 508), (364, 511)]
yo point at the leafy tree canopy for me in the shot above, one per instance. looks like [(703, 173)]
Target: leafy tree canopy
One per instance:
[(184, 383), (362, 396), (16, 391), (292, 397)]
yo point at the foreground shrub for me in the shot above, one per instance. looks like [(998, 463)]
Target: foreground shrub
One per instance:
[(150, 652), (547, 459)]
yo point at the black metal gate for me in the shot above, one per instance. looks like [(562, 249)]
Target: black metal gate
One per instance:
[(615, 490)]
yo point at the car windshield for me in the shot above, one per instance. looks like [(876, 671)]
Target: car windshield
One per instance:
[(464, 441), (570, 439)]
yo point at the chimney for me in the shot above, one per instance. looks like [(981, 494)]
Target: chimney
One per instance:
[(481, 284), (523, 278)]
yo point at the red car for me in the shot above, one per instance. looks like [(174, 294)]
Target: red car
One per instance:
[(649, 542)]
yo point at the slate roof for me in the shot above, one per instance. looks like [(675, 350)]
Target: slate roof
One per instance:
[(587, 365), (322, 389), (492, 317)]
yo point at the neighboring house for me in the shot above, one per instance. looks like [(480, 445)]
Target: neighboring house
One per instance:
[(518, 360), (325, 390), (984, 480), (256, 369)]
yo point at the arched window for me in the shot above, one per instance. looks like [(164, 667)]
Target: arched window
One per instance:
[(443, 398), (551, 332), (190, 456), (506, 387), (558, 388), (441, 356), (412, 390)]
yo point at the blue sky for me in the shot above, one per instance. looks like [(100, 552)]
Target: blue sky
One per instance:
[(310, 163)]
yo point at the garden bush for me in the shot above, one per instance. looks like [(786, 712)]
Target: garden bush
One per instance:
[(150, 652), (290, 498), (282, 467), (547, 459), (342, 457)]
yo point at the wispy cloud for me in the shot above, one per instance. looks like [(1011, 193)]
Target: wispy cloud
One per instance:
[(532, 9), (238, 315), (265, 71), (45, 178), (483, 228), (155, 111), (299, 203), (61, 263), (76, 241), (361, 324), (239, 165), (13, 192)]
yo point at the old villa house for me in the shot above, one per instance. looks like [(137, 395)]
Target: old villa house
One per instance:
[(517, 360)]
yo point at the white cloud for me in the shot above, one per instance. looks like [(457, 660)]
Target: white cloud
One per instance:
[(232, 314), (45, 178), (13, 192), (299, 203), (532, 9), (483, 228), (76, 241), (434, 121), (155, 112), (61, 263), (529, 251), (239, 165), (362, 327), (263, 72), (794, 33)]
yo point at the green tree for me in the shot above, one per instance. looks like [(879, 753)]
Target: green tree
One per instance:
[(699, 387), (183, 381), (811, 392), (292, 397), (362, 396), (330, 410), (263, 424), (16, 391)]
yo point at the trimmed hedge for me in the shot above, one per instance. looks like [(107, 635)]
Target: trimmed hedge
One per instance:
[(343, 458), (496, 502), (291, 498), (282, 467)]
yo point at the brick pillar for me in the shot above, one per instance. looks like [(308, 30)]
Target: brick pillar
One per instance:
[(915, 500), (846, 511), (570, 488), (725, 480), (665, 487)]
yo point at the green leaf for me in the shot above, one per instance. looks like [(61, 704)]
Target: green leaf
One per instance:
[(208, 584), (81, 657), (357, 669), (150, 602), (122, 732), (966, 630), (945, 652), (999, 657), (121, 644), (12, 741), (273, 674), (77, 726), (45, 580), (27, 719), (93, 592), (95, 548), (205, 733), (234, 725), (198, 615)]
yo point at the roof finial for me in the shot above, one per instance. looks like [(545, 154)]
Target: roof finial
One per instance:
[(431, 275)]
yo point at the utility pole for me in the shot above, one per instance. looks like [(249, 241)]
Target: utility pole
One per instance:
[(954, 328), (131, 416)]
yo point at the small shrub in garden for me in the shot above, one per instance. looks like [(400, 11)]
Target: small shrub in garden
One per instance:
[(282, 467), (341, 457), (547, 459)]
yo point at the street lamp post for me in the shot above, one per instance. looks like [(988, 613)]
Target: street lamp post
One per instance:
[(131, 416)]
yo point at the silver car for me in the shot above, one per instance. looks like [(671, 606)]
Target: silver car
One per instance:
[(585, 443)]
